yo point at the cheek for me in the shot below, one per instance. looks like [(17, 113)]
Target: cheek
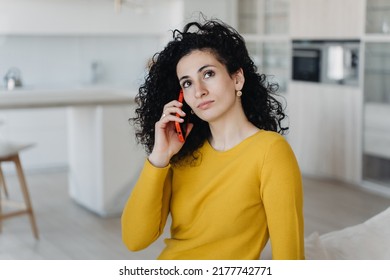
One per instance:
[(190, 101), (189, 95)]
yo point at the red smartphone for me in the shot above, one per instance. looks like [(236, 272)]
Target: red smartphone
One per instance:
[(181, 128)]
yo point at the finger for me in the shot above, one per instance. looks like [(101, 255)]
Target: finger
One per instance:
[(172, 111), (169, 118), (173, 103)]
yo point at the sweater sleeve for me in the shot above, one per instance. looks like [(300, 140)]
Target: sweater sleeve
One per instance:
[(146, 211), (283, 201)]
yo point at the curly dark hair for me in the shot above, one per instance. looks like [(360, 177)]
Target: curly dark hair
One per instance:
[(162, 85)]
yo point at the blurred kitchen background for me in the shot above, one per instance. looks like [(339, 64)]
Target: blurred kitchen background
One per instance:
[(69, 71)]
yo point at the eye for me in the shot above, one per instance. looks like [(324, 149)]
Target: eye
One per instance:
[(208, 74), (186, 84)]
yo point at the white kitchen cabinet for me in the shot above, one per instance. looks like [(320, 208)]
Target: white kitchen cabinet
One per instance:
[(260, 17), (377, 130), (378, 17), (325, 129), (327, 19), (264, 25), (376, 120), (76, 17), (272, 59), (220, 9)]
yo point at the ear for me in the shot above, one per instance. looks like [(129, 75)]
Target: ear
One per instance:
[(239, 79)]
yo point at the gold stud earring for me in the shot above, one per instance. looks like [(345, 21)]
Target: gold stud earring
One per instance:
[(239, 93)]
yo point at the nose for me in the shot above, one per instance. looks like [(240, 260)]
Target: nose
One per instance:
[(200, 90)]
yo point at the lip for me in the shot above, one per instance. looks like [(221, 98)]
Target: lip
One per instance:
[(205, 104)]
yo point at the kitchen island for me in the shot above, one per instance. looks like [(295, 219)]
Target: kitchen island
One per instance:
[(103, 157)]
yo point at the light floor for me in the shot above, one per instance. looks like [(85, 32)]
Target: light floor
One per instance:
[(68, 231)]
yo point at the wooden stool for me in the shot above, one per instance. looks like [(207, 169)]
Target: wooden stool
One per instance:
[(9, 152)]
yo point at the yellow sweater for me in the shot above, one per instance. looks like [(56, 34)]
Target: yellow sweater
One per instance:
[(225, 207)]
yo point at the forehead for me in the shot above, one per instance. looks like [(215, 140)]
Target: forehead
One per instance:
[(197, 59)]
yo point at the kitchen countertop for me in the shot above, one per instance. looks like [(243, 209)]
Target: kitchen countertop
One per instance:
[(38, 98)]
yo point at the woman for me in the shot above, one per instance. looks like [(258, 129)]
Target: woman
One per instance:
[(234, 183)]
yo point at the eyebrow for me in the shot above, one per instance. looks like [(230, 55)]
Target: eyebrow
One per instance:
[(199, 70)]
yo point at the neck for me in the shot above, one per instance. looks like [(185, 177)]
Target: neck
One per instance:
[(227, 133)]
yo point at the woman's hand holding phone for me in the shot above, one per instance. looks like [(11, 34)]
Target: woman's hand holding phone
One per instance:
[(166, 140)]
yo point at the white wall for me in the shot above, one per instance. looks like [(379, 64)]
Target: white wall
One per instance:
[(66, 61)]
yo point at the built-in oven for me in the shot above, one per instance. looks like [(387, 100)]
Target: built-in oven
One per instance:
[(326, 61), (306, 64)]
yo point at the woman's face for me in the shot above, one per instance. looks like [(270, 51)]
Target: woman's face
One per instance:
[(208, 88)]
